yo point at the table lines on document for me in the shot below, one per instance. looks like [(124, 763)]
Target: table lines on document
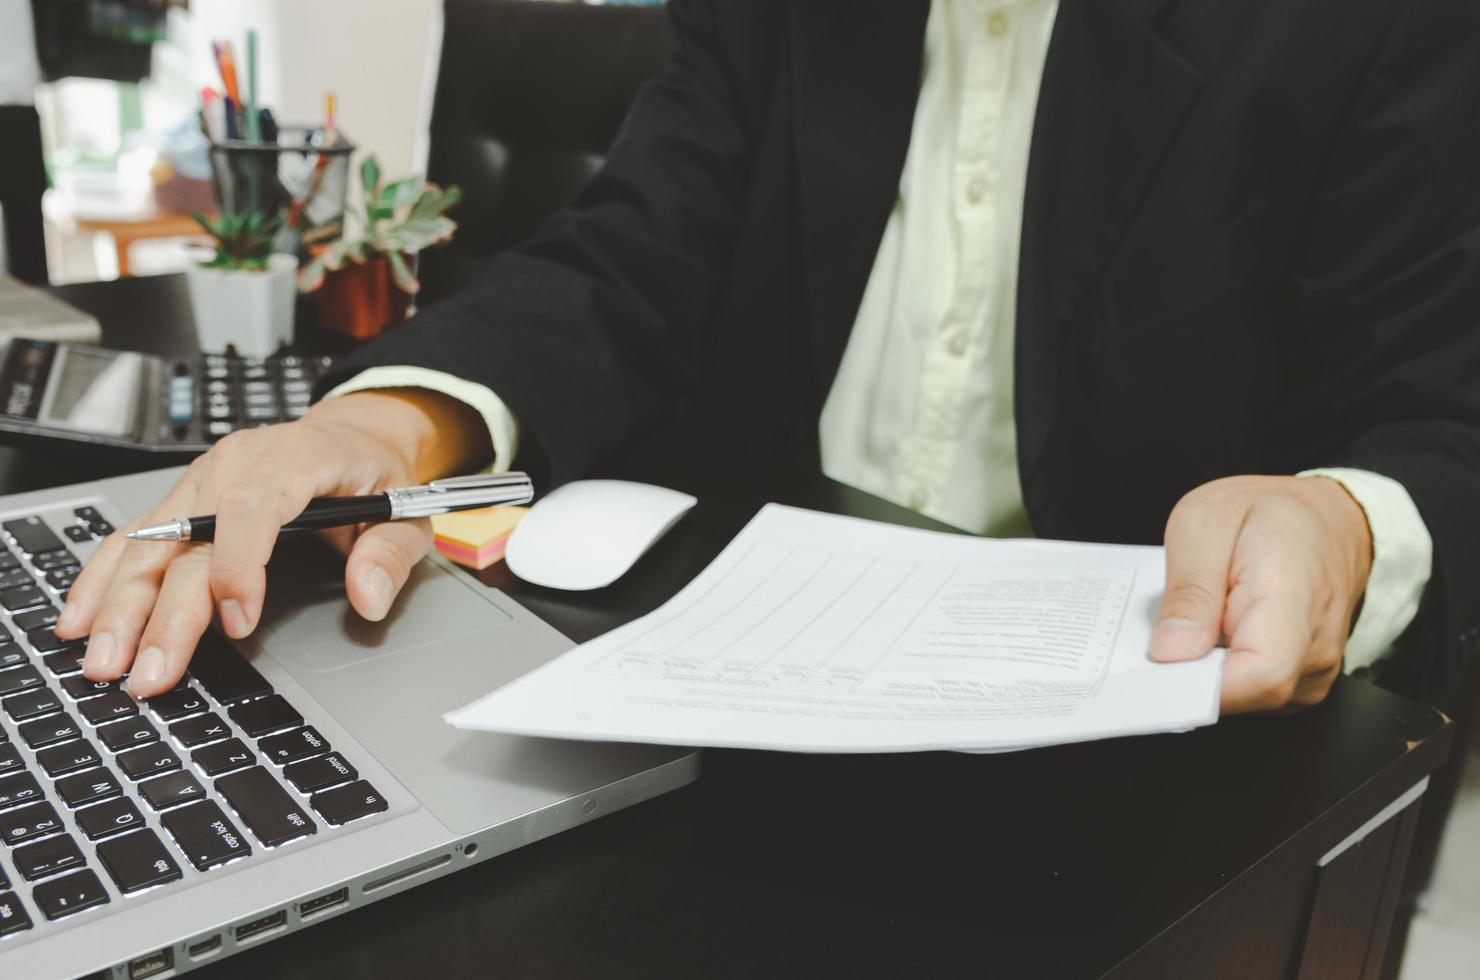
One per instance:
[(783, 616)]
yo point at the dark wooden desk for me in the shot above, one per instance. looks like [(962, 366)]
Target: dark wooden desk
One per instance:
[(1186, 855)]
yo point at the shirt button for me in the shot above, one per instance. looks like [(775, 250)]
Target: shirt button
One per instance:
[(997, 24), (919, 497), (957, 345), (976, 189)]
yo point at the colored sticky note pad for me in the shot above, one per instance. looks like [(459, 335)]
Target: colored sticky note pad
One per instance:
[(476, 538)]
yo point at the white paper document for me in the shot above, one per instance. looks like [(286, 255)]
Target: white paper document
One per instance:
[(817, 633)]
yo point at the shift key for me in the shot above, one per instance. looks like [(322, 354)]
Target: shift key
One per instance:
[(205, 834), (268, 810)]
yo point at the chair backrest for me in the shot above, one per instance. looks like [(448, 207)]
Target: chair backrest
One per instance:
[(529, 96)]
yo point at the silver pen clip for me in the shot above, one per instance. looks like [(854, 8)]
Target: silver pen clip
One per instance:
[(461, 493), (478, 481)]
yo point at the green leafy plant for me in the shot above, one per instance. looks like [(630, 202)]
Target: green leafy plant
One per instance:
[(243, 241), (400, 219)]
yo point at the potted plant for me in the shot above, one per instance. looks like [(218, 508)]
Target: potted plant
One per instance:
[(364, 281), (243, 295)]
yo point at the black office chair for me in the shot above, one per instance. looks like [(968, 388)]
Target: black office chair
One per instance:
[(530, 95)]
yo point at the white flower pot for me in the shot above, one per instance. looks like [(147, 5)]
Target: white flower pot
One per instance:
[(252, 311)]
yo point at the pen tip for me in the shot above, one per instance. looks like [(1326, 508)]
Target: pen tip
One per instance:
[(134, 535)]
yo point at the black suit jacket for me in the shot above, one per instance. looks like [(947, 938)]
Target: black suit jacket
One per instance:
[(1251, 244)]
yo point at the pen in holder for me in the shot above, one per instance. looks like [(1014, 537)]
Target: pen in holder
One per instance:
[(299, 172)]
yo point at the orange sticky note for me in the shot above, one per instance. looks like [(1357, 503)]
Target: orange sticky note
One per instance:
[(476, 538)]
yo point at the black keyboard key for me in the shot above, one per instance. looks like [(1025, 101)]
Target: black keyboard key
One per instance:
[(205, 834), (109, 707), (37, 618), (11, 655), (69, 894), (10, 759), (13, 916), (293, 746), (15, 576), (199, 730), (61, 579), (76, 533), (21, 597), (32, 535), (312, 775), (52, 730), (65, 661), (224, 673), (69, 757), (83, 788), (265, 807), (59, 558), (47, 857), (88, 516), (178, 703), (222, 757), (80, 688), (170, 790), (109, 817), (46, 641), (19, 788), (122, 735), (32, 704), (265, 715), (148, 761), (340, 806), (8, 560), (137, 861), (27, 822), (18, 679)]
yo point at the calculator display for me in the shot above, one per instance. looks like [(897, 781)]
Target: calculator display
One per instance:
[(93, 390)]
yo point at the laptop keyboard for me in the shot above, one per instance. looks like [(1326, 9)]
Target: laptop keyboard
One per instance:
[(97, 788)]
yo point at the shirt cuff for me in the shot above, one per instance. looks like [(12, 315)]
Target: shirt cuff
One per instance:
[(503, 430), (1402, 561)]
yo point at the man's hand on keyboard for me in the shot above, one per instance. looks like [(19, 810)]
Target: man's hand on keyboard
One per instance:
[(144, 604)]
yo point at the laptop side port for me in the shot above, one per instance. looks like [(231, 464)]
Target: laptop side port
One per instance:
[(258, 927), (323, 903), (204, 948), (151, 965)]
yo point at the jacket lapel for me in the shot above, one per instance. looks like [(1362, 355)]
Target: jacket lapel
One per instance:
[(1114, 94), (856, 65)]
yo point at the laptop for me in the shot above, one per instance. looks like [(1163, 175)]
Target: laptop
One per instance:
[(291, 777)]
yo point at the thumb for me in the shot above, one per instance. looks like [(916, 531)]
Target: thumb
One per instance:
[(380, 562), (1200, 539)]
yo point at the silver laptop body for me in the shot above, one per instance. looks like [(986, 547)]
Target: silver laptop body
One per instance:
[(372, 693)]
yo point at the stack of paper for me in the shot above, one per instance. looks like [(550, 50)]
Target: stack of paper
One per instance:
[(817, 633)]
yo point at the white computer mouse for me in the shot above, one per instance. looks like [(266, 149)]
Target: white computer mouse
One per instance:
[(586, 534)]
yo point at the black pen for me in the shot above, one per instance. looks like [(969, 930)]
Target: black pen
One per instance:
[(402, 503)]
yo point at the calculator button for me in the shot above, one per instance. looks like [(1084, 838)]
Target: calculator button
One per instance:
[(340, 806), (137, 861), (171, 789), (32, 535), (69, 894), (205, 834), (83, 788), (13, 916), (108, 818), (47, 857)]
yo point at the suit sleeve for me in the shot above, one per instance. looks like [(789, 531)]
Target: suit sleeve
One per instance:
[(589, 332), (1384, 368)]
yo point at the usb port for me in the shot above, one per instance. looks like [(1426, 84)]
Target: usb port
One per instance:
[(152, 965), (323, 903), (204, 948), (268, 923)]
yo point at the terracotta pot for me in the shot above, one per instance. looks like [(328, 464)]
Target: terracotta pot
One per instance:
[(362, 301)]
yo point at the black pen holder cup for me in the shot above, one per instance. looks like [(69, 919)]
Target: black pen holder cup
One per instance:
[(293, 176)]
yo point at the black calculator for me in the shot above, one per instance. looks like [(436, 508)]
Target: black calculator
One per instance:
[(71, 393)]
